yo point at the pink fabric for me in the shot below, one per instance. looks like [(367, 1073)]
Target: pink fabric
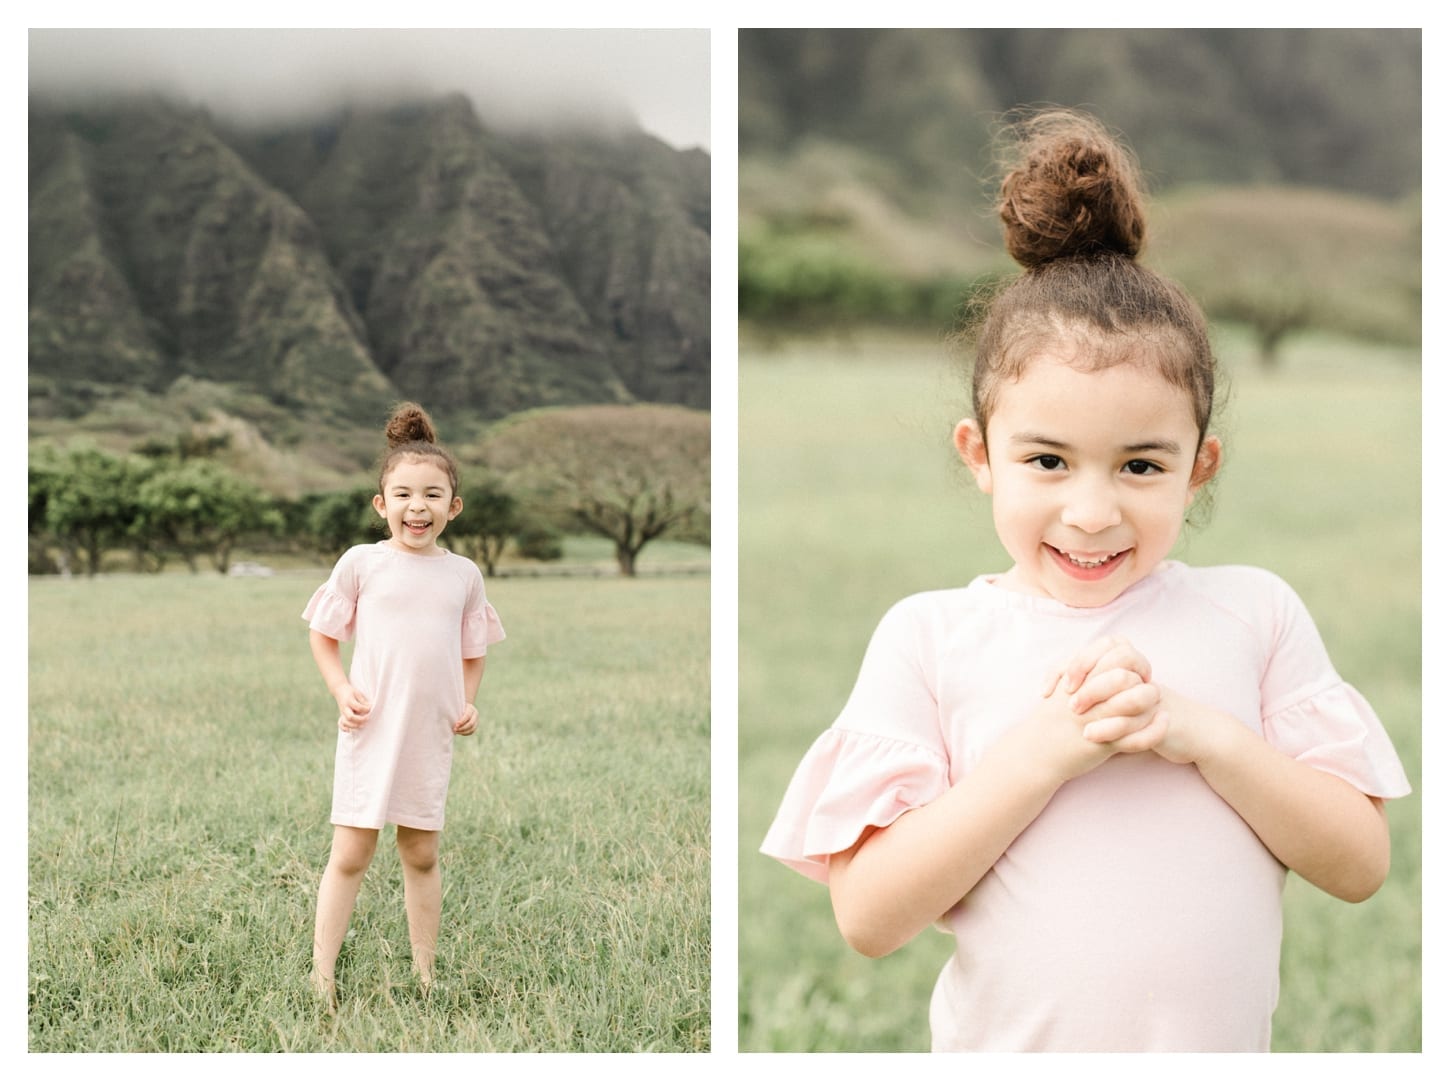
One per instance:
[(415, 619), (1138, 912)]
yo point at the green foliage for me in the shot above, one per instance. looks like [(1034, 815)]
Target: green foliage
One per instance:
[(490, 517), (179, 775), (628, 473), (198, 508), (540, 541), (810, 279), (851, 497), (335, 521), (86, 499)]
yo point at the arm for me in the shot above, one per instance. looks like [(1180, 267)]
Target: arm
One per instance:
[(895, 881), (472, 677), (352, 704), (1319, 826)]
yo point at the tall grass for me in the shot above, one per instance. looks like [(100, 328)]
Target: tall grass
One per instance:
[(180, 779), (852, 497)]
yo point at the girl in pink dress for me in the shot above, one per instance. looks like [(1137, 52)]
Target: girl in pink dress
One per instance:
[(1095, 768), (422, 626)]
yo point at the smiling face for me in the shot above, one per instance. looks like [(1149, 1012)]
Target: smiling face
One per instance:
[(418, 502), (1089, 473)]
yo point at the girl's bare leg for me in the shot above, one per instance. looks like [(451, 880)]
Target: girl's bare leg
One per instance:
[(422, 895), (352, 851)]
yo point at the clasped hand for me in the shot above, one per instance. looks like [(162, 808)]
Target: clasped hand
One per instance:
[(1102, 702)]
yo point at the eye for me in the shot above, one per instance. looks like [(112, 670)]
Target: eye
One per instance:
[(1049, 462), (1139, 468)]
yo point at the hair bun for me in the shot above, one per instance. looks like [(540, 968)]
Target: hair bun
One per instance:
[(410, 424), (1074, 190)]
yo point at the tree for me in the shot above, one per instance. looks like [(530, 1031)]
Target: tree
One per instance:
[(1280, 260), (490, 516), (630, 473), (197, 507), (86, 499), (338, 520)]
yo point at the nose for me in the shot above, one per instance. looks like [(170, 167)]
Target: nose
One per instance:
[(1091, 506)]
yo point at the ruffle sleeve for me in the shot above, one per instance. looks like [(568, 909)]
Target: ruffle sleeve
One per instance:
[(1311, 714), (331, 613), (333, 608), (481, 629), (1337, 731), (849, 781)]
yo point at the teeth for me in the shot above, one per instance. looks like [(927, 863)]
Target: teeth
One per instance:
[(1086, 563)]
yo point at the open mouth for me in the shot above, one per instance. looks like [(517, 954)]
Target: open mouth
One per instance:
[(1088, 566), (416, 528)]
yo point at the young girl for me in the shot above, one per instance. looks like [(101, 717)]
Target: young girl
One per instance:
[(422, 626), (1094, 768)]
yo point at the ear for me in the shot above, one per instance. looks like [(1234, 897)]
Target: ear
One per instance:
[(455, 507), (971, 443), (1206, 465), (380, 506)]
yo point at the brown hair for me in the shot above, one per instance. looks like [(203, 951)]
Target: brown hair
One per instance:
[(411, 434), (1071, 206)]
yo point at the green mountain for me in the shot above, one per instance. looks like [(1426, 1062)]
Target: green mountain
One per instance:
[(305, 277), (1320, 108)]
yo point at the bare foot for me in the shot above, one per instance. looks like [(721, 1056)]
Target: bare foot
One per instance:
[(326, 990)]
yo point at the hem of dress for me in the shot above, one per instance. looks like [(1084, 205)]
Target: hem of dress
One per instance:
[(433, 825)]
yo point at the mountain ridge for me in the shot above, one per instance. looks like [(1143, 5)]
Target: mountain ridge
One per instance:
[(321, 270)]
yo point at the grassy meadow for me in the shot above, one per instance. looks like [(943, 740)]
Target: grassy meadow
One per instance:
[(180, 773), (852, 497)]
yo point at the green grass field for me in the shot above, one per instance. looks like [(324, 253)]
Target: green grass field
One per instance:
[(852, 497), (180, 771)]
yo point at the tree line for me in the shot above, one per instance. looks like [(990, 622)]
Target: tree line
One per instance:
[(627, 473)]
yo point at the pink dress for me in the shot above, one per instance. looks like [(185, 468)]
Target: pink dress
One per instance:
[(1138, 912), (415, 618)]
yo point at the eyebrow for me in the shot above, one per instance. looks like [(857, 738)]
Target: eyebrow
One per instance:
[(1148, 446)]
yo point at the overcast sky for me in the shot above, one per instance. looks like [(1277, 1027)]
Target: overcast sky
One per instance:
[(661, 77)]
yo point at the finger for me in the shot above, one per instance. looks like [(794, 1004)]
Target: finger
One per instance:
[(1146, 738), (1101, 686), (1112, 729), (1140, 700), (1087, 658), (1123, 655)]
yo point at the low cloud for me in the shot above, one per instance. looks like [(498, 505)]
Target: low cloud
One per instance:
[(658, 79)]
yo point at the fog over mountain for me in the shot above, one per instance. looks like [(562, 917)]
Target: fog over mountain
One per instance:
[(295, 260), (657, 80)]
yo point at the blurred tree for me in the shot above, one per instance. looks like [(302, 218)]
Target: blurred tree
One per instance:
[(198, 508), (86, 499), (490, 516), (1283, 259), (338, 520), (628, 473)]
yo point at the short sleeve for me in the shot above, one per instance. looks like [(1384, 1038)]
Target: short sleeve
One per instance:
[(1315, 717), (333, 608), (481, 625), (884, 756)]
